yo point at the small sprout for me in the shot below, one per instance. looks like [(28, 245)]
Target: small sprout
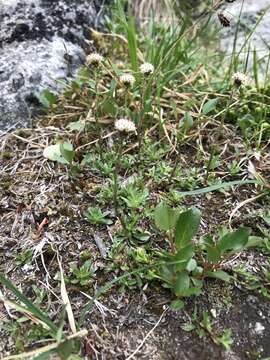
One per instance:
[(224, 19), (94, 59), (147, 69), (125, 125), (127, 79), (82, 275), (95, 216), (240, 79)]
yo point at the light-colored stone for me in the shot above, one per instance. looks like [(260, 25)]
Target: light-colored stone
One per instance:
[(251, 13), (35, 38)]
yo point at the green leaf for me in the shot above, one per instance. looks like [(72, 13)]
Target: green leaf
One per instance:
[(226, 340), (219, 186), (219, 274), (165, 217), (47, 98), (166, 274), (208, 240), (132, 43), (65, 349), (28, 304), (187, 121), (254, 241), (53, 153), (192, 291), (185, 253), (62, 153), (182, 257), (109, 107), (236, 240), (186, 227), (213, 253), (197, 282), (67, 152), (209, 106), (182, 283), (76, 125), (177, 304), (188, 327), (191, 265)]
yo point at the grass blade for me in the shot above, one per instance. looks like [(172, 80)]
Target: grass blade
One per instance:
[(30, 307), (211, 188), (66, 301)]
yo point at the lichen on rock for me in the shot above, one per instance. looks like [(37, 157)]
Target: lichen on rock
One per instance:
[(35, 38)]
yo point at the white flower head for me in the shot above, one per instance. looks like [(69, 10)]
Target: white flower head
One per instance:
[(127, 79), (147, 69), (125, 125), (94, 59), (240, 79)]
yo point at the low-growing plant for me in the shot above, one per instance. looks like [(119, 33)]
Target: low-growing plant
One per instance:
[(82, 275), (66, 347), (133, 197), (24, 257), (188, 263), (204, 326), (96, 217)]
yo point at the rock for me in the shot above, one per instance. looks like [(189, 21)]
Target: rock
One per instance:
[(36, 39), (259, 328), (252, 12)]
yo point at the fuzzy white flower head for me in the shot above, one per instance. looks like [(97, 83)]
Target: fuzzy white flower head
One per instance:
[(94, 59), (125, 125), (240, 79), (147, 69), (127, 79)]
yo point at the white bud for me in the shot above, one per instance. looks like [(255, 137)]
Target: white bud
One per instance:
[(94, 59), (127, 79), (147, 69)]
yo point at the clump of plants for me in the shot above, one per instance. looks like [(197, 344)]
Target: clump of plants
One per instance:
[(188, 263), (150, 120)]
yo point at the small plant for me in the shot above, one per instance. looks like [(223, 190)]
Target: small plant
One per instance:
[(134, 198), (96, 217), (204, 326), (253, 281), (82, 275), (187, 264), (24, 258), (62, 153), (65, 346), (234, 168)]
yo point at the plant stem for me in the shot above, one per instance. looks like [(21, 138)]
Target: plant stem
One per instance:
[(209, 164), (140, 124), (174, 169), (96, 113), (115, 176)]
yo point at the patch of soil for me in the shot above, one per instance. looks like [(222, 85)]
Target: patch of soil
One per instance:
[(122, 323)]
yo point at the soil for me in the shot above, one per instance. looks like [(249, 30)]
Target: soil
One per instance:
[(33, 189)]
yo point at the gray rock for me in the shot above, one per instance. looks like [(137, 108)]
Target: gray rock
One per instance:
[(41, 43), (252, 12)]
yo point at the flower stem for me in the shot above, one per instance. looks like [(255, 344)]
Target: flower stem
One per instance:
[(97, 113), (140, 124), (115, 176)]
